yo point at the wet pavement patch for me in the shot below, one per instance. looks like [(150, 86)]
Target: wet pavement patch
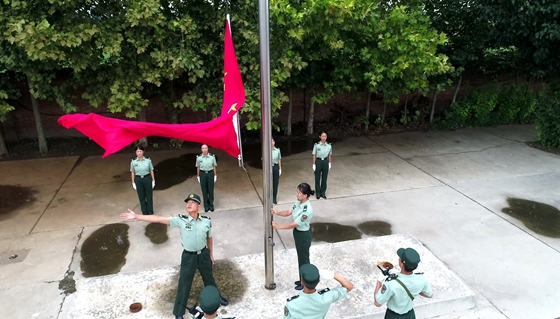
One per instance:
[(68, 284), (174, 171), (333, 232), (229, 278), (14, 197), (541, 218), (375, 228), (157, 233), (104, 251)]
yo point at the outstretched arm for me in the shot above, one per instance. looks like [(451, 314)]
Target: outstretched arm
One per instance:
[(147, 218)]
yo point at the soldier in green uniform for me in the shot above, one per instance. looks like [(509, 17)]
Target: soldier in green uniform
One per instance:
[(301, 213), (196, 238), (322, 158), (313, 304), (276, 170), (143, 180), (399, 291), (207, 176)]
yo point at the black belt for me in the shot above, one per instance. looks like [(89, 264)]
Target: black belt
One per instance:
[(399, 314), (206, 171), (322, 158), (274, 164), (142, 176), (195, 252)]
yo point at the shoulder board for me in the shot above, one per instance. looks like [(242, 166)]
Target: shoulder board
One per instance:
[(391, 278), (199, 155), (292, 298), (318, 143), (323, 291), (132, 160), (147, 158), (202, 216), (418, 273), (328, 143), (210, 154), (183, 216)]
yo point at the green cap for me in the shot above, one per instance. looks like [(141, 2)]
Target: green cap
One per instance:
[(193, 197), (309, 275), (209, 299), (409, 257)]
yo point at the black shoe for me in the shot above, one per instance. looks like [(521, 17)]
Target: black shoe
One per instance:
[(206, 210), (274, 202), (223, 301), (297, 283), (325, 197), (212, 209), (299, 287), (318, 197)]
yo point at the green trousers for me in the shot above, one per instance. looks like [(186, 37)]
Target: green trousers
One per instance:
[(321, 174), (389, 314), (145, 194), (275, 178), (189, 264), (207, 186), (303, 242)]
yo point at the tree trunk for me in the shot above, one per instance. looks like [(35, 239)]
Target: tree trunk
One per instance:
[(311, 112), (43, 149), (384, 110), (367, 112), (433, 106), (289, 124), (3, 148), (457, 89), (406, 110), (173, 114), (142, 117)]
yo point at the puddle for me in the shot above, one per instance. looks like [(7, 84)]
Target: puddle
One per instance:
[(375, 228), (104, 251), (174, 171), (68, 284), (157, 233), (541, 218), (333, 232), (14, 197), (230, 280)]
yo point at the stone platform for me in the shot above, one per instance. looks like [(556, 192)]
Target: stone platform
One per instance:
[(241, 280)]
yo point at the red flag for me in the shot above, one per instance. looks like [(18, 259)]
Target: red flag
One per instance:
[(113, 134)]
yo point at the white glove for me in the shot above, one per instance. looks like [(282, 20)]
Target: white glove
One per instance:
[(381, 278), (134, 186), (215, 178), (314, 167), (279, 172), (329, 166), (153, 184), (198, 178), (326, 274)]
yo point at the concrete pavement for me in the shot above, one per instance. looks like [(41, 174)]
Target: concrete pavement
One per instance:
[(476, 198)]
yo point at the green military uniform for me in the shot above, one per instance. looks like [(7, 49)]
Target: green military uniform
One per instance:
[(314, 305), (399, 304), (143, 182), (196, 255), (206, 165), (276, 156), (322, 152), (302, 213)]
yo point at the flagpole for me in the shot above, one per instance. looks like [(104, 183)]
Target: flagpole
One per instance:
[(236, 119), (264, 40)]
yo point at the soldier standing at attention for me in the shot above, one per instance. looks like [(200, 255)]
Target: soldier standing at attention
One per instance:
[(143, 180), (313, 304), (207, 176), (196, 238), (322, 157), (399, 291), (276, 170), (301, 213)]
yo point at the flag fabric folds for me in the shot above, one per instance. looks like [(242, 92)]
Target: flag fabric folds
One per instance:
[(114, 134)]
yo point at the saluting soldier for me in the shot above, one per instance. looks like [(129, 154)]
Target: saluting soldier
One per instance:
[(322, 158), (207, 176), (301, 213), (313, 304), (400, 290), (143, 180), (196, 238), (276, 170)]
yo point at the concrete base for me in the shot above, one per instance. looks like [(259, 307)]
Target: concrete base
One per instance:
[(110, 296)]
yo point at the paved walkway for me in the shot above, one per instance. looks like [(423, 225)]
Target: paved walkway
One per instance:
[(481, 201)]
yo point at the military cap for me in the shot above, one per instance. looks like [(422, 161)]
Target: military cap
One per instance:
[(193, 197), (209, 299), (309, 275), (409, 257)]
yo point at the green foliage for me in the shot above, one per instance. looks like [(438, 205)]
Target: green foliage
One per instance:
[(490, 107), (548, 117)]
